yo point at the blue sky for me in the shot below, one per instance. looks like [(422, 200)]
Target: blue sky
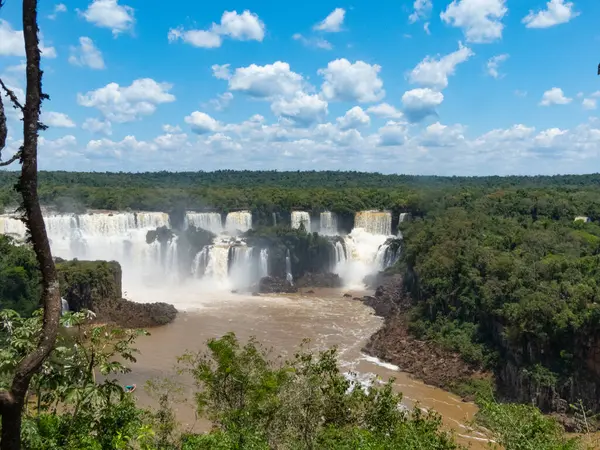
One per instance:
[(463, 87)]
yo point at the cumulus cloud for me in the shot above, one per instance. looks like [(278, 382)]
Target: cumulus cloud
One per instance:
[(515, 133), (221, 71), (434, 72), (221, 102), (420, 103), (333, 22), (589, 103), (127, 103), (246, 26), (59, 147), (438, 135), (94, 125), (109, 14), (58, 8), (317, 42), (493, 65), (554, 96), (56, 119), (171, 141), (556, 12), (268, 81), (385, 110), (222, 143), (480, 20), (201, 123), (392, 133), (87, 54), (12, 43), (347, 81), (302, 109), (354, 118), (422, 10)]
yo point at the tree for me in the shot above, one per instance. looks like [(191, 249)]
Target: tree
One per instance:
[(13, 399)]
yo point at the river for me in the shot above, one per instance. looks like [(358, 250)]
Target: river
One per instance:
[(281, 323)]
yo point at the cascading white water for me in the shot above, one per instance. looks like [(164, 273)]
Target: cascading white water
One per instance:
[(238, 221), (386, 256), (263, 263), (172, 257), (217, 269), (152, 220), (404, 217), (241, 273), (12, 226), (301, 218), (328, 224), (200, 262), (288, 268), (212, 222), (64, 306), (374, 222)]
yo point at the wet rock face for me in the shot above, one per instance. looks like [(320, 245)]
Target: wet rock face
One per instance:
[(96, 286), (320, 280), (275, 285)]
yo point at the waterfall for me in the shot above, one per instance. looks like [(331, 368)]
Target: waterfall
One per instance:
[(301, 218), (288, 268), (386, 256), (212, 222), (217, 267), (151, 220), (263, 263), (374, 222), (404, 217), (274, 219), (200, 262), (172, 257), (241, 266), (64, 306), (12, 226), (328, 224), (239, 221)]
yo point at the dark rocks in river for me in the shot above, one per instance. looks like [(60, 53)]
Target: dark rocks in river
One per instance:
[(320, 280), (96, 286), (275, 285)]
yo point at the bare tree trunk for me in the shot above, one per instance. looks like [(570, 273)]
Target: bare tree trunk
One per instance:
[(12, 402)]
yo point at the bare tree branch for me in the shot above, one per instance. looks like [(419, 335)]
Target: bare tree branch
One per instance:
[(3, 129), (12, 402), (11, 160), (10, 94)]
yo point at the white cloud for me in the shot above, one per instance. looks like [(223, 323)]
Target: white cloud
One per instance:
[(493, 65), (221, 71), (56, 119), (94, 125), (13, 44), (385, 111), (420, 103), (58, 8), (59, 148), (422, 10), (171, 129), (87, 54), (554, 96), (302, 109), (129, 145), (109, 14), (222, 143), (201, 123), (270, 80), (480, 20), (171, 141), (589, 103), (393, 133), (333, 22), (127, 103), (246, 26), (222, 101), (354, 118), (347, 81), (516, 132), (556, 12), (434, 72), (546, 138), (438, 135), (317, 42)]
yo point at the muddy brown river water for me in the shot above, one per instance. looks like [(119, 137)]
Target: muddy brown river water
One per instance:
[(281, 323)]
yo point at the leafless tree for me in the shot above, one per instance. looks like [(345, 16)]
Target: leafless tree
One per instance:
[(12, 401)]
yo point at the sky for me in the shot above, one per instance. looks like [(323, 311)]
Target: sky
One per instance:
[(463, 87)]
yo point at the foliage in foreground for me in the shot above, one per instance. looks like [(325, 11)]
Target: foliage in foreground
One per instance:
[(254, 401)]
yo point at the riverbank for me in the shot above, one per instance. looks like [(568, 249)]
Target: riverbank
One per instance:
[(424, 360)]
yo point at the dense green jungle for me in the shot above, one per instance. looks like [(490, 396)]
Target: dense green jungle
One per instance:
[(504, 271)]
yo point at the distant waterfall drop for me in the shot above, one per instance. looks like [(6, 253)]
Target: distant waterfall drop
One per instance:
[(212, 221), (374, 222), (200, 262), (301, 218), (328, 224), (263, 263), (238, 221), (288, 268)]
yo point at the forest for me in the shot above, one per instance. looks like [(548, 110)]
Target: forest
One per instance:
[(498, 269)]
